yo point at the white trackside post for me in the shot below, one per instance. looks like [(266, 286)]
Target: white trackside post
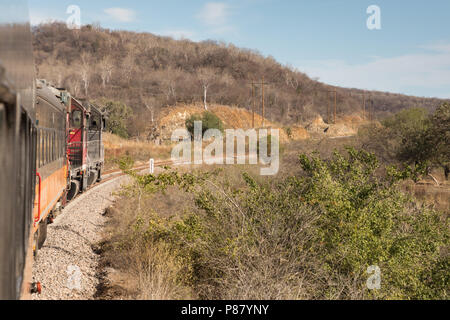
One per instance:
[(152, 166)]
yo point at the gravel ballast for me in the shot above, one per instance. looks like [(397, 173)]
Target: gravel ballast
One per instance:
[(66, 265)]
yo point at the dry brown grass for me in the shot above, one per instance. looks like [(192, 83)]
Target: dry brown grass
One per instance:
[(437, 196), (146, 272), (156, 271), (140, 151), (152, 269)]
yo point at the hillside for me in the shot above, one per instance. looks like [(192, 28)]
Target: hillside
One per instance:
[(150, 73), (239, 118)]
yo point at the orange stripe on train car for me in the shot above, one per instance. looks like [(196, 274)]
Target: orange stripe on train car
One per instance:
[(52, 189)]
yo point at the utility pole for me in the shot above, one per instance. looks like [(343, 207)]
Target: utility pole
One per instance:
[(253, 104), (372, 117), (371, 109), (262, 109), (328, 108), (335, 107), (364, 104), (262, 97)]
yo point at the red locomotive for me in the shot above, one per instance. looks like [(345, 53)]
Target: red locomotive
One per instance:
[(84, 145)]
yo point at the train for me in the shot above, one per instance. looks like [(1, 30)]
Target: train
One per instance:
[(51, 149)]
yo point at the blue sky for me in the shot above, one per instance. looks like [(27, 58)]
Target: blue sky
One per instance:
[(327, 39)]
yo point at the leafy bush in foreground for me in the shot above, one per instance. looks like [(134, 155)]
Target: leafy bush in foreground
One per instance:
[(303, 237)]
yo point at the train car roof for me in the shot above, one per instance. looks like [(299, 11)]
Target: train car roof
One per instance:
[(47, 93), (90, 107), (96, 109)]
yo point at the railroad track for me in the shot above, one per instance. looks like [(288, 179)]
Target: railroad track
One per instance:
[(115, 174), (108, 175), (112, 174)]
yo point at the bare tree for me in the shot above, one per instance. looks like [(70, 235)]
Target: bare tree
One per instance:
[(106, 68), (74, 86), (291, 80), (128, 66), (85, 72), (149, 103), (206, 77), (171, 75)]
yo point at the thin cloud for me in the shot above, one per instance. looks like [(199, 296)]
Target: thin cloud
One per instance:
[(438, 47), (121, 14), (402, 74), (214, 14), (179, 34)]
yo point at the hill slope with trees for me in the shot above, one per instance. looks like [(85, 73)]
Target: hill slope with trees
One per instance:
[(148, 73)]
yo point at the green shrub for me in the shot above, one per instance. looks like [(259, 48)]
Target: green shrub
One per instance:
[(289, 132), (209, 121), (118, 114), (412, 137), (310, 236), (125, 163)]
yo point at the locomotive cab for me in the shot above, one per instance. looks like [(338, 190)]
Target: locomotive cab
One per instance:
[(84, 145), (76, 147), (95, 144)]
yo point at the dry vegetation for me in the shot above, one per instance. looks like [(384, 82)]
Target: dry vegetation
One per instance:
[(117, 148), (231, 234)]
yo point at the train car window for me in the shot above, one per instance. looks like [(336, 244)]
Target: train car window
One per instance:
[(57, 149), (52, 149), (50, 136), (38, 149), (2, 107), (63, 144), (49, 151), (76, 119), (45, 147), (59, 146), (95, 123), (42, 148), (54, 145)]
